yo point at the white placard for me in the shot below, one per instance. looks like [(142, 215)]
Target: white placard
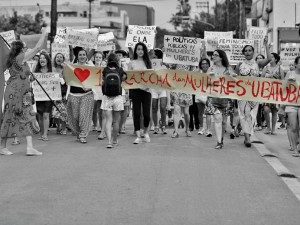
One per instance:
[(31, 64), (233, 48), (87, 38), (182, 50), (288, 53), (157, 64), (125, 62), (60, 36), (9, 36), (257, 33), (105, 42), (144, 34), (60, 48), (51, 84), (211, 39)]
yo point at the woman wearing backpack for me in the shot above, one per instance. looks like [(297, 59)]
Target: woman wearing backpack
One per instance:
[(112, 101), (141, 98)]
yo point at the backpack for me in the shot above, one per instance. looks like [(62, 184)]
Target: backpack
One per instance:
[(111, 85)]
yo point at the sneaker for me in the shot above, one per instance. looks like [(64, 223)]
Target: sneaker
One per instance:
[(142, 133), (151, 128), (201, 131), (138, 140), (219, 146), (147, 138), (156, 130), (5, 151), (208, 134), (282, 126)]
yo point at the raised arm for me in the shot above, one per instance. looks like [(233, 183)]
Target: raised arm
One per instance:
[(265, 61), (31, 53)]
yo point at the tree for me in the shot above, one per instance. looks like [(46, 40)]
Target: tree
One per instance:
[(22, 24)]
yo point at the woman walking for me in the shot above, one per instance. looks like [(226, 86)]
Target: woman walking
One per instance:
[(19, 118)]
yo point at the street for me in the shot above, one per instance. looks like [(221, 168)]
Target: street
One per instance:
[(168, 181)]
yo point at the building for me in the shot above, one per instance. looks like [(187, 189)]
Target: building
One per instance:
[(280, 17)]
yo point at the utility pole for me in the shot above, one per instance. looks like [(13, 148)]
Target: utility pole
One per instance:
[(216, 13), (53, 19), (90, 12), (242, 19), (227, 14)]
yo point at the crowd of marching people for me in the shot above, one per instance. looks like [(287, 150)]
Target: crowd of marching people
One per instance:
[(105, 109)]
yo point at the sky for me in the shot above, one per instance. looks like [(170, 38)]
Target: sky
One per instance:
[(163, 8)]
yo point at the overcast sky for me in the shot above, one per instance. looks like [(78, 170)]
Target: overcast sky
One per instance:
[(163, 8)]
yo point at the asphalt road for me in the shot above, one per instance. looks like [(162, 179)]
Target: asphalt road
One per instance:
[(182, 181)]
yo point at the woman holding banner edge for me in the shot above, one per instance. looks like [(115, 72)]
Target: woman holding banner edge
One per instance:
[(19, 118), (248, 109)]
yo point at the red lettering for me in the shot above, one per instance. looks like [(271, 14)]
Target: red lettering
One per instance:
[(222, 82), (155, 76), (230, 84), (189, 79), (255, 90), (265, 90), (166, 81), (243, 91), (216, 83), (292, 93)]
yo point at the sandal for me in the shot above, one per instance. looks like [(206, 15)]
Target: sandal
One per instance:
[(188, 133), (109, 146), (175, 134), (82, 140), (295, 154), (43, 138)]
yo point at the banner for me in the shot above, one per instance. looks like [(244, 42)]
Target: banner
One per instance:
[(9, 36), (51, 84), (233, 49), (182, 50), (32, 39), (212, 37), (105, 42), (145, 34), (87, 38), (60, 48), (288, 53), (262, 90)]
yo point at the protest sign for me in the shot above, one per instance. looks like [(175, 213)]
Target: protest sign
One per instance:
[(257, 33), (32, 64), (87, 38), (242, 87), (60, 36), (157, 64), (32, 39), (51, 84), (125, 62), (60, 48), (9, 36), (233, 48), (182, 50), (211, 39), (105, 42), (145, 34), (288, 53)]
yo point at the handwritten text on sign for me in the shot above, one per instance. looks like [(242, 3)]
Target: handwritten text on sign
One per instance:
[(257, 33), (288, 53), (9, 36), (105, 42), (233, 48), (60, 48), (145, 34), (182, 50), (212, 37), (51, 84), (242, 88), (85, 39)]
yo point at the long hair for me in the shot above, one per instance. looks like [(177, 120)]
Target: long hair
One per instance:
[(16, 49), (276, 56), (223, 56), (49, 64), (297, 59), (54, 61), (146, 57)]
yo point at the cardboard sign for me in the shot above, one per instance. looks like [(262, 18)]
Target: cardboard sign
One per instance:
[(211, 39), (51, 84), (32, 39), (233, 48), (32, 64), (60, 48), (84, 38), (288, 53), (9, 36), (182, 50), (257, 33), (241, 87), (144, 34), (105, 42), (60, 36)]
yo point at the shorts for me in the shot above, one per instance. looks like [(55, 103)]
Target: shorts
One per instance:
[(291, 108), (112, 103), (158, 93)]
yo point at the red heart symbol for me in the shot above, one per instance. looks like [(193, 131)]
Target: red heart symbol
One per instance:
[(82, 75)]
